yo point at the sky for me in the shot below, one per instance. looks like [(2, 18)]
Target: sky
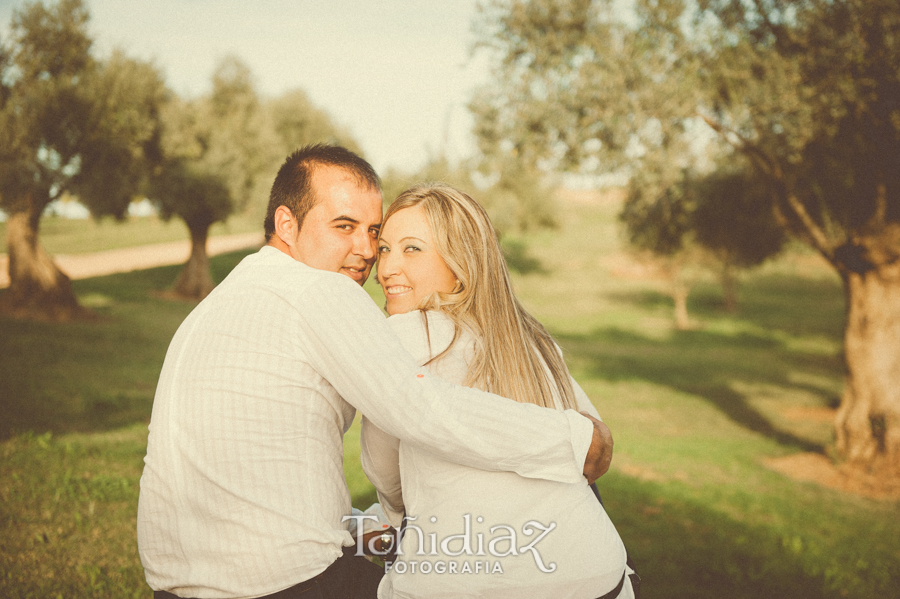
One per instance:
[(397, 73)]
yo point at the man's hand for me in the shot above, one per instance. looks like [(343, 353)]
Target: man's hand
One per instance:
[(600, 454), (374, 542)]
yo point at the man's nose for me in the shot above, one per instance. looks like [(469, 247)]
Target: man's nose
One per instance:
[(365, 246)]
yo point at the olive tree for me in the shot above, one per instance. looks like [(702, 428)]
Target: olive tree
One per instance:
[(212, 154), (69, 123)]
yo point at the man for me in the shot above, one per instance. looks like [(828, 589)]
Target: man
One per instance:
[(243, 492)]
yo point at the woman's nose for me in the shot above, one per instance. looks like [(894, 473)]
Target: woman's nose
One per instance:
[(387, 266)]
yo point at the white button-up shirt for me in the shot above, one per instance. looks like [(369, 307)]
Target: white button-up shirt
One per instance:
[(243, 491)]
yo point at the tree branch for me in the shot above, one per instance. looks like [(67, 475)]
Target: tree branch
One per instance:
[(877, 220), (815, 234)]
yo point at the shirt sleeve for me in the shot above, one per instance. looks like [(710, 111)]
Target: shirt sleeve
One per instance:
[(347, 340), (584, 402), (380, 458), (581, 399)]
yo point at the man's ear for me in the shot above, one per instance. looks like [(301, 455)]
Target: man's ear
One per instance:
[(285, 225)]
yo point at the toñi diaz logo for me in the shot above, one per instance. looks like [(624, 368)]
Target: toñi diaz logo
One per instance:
[(504, 540)]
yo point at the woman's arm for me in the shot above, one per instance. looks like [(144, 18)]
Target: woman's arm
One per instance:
[(381, 463)]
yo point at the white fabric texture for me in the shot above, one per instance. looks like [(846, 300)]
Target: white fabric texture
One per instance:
[(243, 489), (441, 495)]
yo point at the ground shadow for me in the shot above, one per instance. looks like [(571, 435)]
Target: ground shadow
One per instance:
[(686, 550), (704, 364), (795, 305)]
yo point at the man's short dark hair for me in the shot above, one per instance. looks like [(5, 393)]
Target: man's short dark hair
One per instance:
[(293, 184)]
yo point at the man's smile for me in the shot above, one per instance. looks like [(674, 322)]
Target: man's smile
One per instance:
[(357, 273)]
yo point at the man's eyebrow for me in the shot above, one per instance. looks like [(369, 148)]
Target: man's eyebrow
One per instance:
[(345, 218)]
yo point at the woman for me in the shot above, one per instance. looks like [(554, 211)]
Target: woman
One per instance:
[(469, 532)]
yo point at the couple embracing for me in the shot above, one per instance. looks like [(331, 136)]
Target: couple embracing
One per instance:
[(243, 492)]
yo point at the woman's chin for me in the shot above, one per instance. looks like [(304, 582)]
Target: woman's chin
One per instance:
[(397, 306), (392, 308)]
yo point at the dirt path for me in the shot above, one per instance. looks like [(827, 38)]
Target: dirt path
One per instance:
[(82, 266)]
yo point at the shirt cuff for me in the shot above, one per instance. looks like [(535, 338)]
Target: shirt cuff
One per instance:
[(582, 435)]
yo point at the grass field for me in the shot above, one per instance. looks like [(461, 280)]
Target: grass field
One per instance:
[(696, 415)]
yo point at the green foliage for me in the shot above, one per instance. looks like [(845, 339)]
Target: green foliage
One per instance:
[(211, 150), (661, 224), (291, 121), (297, 123), (734, 218), (728, 213), (570, 90), (520, 198), (69, 122), (43, 112), (811, 93), (221, 152), (120, 146), (516, 197), (808, 92)]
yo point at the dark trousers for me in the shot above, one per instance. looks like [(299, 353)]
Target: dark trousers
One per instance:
[(349, 577)]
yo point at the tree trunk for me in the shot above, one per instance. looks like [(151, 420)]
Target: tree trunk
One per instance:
[(868, 420), (37, 288), (195, 280), (679, 290), (729, 287), (679, 295)]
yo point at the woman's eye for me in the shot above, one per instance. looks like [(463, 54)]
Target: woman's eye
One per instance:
[(383, 249), (411, 248)]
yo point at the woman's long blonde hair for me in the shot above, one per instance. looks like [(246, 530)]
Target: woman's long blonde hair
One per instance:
[(511, 347)]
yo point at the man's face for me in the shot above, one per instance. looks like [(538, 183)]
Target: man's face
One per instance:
[(340, 232)]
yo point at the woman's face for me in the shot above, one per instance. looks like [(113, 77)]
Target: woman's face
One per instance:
[(409, 267)]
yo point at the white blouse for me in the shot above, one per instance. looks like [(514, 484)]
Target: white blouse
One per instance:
[(474, 533)]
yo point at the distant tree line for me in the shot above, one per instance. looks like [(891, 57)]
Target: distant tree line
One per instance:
[(107, 130)]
